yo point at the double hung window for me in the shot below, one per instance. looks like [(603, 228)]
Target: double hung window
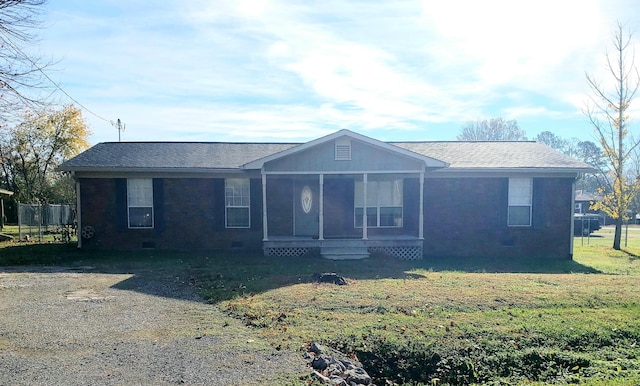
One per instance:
[(520, 193), (237, 203), (384, 203), (140, 202)]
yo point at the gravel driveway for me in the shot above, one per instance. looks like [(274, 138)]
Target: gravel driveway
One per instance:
[(82, 325)]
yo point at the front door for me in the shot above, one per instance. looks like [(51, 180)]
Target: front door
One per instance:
[(305, 207)]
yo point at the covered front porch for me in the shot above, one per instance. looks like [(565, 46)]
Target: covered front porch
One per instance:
[(326, 212), (346, 194)]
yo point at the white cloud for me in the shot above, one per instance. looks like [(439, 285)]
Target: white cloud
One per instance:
[(270, 69)]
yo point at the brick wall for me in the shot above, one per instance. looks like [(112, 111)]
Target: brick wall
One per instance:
[(190, 215), (468, 217), (463, 217)]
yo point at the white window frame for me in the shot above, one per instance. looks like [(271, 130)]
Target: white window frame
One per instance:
[(577, 208), (520, 196), (140, 196), (376, 204), (237, 196)]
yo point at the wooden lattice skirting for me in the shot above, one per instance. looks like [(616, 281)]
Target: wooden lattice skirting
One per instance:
[(404, 253), (286, 251)]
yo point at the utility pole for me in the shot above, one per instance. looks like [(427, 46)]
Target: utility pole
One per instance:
[(120, 128)]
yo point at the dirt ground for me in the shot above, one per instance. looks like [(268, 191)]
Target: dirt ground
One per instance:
[(82, 325)]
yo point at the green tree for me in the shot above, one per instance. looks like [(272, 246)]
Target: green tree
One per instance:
[(591, 154), (30, 152), (494, 129), (608, 113)]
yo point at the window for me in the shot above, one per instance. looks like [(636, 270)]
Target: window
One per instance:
[(384, 203), (237, 203), (140, 202), (520, 191)]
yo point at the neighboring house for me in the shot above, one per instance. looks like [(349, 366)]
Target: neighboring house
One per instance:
[(583, 202), (345, 194), (2, 216)]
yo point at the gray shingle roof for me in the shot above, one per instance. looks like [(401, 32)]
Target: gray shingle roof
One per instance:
[(113, 156), (494, 155), (171, 155)]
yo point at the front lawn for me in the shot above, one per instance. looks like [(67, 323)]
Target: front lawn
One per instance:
[(432, 322), (453, 321)]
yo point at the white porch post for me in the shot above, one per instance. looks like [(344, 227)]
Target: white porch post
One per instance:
[(265, 232), (573, 210), (321, 209), (365, 234), (421, 213)]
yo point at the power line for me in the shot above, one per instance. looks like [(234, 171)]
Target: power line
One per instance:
[(57, 86)]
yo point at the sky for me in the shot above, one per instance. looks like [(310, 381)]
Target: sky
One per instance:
[(292, 71)]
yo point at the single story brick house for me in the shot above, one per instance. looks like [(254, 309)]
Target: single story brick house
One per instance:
[(344, 194)]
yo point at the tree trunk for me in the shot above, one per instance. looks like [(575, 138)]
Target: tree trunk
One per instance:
[(618, 234)]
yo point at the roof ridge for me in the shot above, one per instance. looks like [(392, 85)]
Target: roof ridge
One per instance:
[(452, 141), (201, 142)]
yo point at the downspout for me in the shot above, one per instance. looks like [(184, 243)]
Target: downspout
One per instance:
[(78, 211), (573, 206), (265, 231), (421, 213), (321, 209)]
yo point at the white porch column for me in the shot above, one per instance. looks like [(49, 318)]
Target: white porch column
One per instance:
[(321, 209), (265, 232), (365, 234), (421, 213), (573, 210)]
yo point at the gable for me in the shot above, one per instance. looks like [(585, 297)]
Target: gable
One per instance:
[(345, 151), (343, 155)]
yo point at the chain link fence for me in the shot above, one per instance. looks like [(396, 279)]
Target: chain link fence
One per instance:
[(37, 220)]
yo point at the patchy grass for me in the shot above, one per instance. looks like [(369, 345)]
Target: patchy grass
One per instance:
[(436, 321), (452, 322)]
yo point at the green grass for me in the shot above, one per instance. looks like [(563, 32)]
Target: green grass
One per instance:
[(435, 321), (52, 235)]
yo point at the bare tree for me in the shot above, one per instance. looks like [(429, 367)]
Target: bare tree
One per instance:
[(494, 129), (19, 71), (552, 140), (608, 113)]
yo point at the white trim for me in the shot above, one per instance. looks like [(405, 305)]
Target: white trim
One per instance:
[(248, 206), (377, 204), (544, 171), (265, 232), (321, 207), (510, 197), (129, 206), (345, 172), (573, 203), (421, 213), (365, 225)]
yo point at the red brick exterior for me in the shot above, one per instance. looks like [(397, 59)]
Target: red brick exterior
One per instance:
[(192, 211), (463, 216), (468, 217)]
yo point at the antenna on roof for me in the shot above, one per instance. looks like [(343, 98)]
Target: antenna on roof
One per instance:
[(120, 126)]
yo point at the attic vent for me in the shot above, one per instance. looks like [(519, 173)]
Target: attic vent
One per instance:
[(343, 149)]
